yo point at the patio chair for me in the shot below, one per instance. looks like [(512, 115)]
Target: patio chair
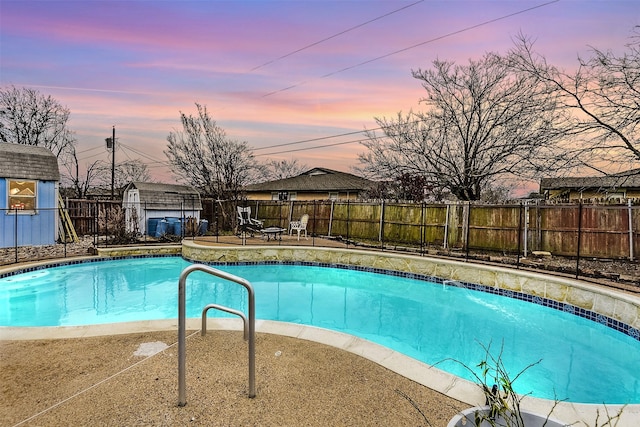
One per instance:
[(246, 223), (299, 226)]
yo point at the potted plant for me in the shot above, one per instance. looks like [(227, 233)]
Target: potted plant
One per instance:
[(502, 403)]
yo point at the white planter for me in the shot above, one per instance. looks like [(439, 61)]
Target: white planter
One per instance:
[(466, 419)]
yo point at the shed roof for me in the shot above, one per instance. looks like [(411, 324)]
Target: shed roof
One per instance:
[(627, 179), (315, 180), (159, 196), (21, 161)]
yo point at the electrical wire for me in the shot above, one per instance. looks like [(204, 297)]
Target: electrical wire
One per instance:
[(313, 148), (145, 155), (310, 140), (334, 36), (89, 149), (328, 137), (472, 27)]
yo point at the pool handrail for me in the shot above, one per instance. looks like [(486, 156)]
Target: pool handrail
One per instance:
[(245, 321), (182, 353)]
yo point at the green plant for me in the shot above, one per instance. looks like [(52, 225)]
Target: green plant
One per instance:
[(502, 403), (497, 386)]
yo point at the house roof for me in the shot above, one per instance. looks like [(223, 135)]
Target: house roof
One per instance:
[(315, 180), (159, 196), (627, 179), (21, 161)]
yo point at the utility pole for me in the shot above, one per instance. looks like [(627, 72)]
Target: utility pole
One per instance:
[(113, 161), (111, 143)]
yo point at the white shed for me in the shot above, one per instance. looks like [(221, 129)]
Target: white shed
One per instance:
[(146, 204)]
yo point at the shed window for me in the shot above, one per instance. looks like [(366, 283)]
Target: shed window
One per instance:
[(22, 195)]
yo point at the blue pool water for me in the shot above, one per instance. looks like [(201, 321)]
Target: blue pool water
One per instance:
[(581, 360)]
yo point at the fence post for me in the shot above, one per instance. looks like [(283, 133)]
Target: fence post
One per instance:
[(15, 233), (446, 226), (579, 239), (348, 220), (315, 221), (467, 219), (381, 229), (330, 218), (290, 212), (630, 230), (519, 234), (181, 219), (526, 228), (423, 227), (215, 217), (94, 227)]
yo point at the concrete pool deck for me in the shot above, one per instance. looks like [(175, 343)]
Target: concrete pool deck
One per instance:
[(444, 385), (91, 376)]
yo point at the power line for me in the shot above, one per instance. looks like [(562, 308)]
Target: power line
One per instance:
[(89, 149), (93, 155), (334, 36), (491, 21), (472, 27), (314, 148), (140, 153), (327, 137), (310, 140)]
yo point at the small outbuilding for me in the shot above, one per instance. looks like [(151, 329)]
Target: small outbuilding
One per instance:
[(148, 203), (29, 178)]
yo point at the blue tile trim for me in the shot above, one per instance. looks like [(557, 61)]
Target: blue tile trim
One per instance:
[(78, 261), (535, 299)]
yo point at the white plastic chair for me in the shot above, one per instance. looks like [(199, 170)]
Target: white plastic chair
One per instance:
[(299, 226)]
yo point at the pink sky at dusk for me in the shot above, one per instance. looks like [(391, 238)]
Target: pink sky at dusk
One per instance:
[(138, 64)]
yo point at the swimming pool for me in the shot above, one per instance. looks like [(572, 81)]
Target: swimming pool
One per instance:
[(581, 360)]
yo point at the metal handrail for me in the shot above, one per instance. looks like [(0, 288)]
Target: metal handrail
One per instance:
[(182, 353), (245, 321)]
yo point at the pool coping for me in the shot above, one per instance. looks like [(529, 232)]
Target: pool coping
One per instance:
[(619, 306)]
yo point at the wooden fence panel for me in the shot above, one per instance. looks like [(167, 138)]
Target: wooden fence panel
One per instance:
[(319, 212), (403, 223), (495, 228), (559, 229), (634, 212), (435, 220), (604, 232), (84, 214)]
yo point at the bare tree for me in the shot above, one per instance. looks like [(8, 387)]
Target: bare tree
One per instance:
[(202, 155), (602, 97), (124, 173), (484, 123), (78, 184), (282, 169), (31, 118)]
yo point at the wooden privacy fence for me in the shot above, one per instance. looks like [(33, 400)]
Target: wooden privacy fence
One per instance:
[(596, 231), (84, 214)]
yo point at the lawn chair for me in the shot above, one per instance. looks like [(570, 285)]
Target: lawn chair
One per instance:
[(246, 223), (299, 226)]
